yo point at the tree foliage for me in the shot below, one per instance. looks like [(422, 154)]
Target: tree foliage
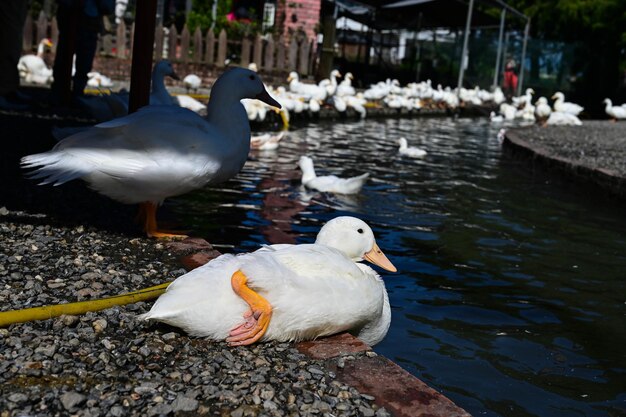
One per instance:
[(598, 27)]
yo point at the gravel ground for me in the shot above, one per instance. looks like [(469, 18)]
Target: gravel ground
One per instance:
[(596, 144), (110, 364)]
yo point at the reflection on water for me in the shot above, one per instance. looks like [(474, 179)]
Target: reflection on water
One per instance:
[(511, 291)]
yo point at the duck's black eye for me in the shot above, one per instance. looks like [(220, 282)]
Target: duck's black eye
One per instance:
[(251, 77), (360, 231)]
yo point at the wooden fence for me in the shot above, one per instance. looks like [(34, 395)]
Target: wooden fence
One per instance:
[(208, 48)]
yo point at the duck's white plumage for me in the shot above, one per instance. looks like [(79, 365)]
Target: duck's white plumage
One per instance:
[(562, 106), (329, 183), (410, 151), (615, 112), (192, 81), (266, 142), (159, 151), (33, 68), (558, 118), (542, 109), (314, 289)]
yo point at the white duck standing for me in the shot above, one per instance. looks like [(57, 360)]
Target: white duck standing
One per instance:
[(542, 108), (33, 69), (159, 151), (330, 84), (309, 91), (345, 87), (410, 151), (562, 106), (329, 183), (192, 82), (285, 292), (614, 112)]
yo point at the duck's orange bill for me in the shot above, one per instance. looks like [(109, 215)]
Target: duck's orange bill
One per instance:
[(377, 257)]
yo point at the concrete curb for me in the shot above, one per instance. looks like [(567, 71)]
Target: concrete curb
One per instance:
[(516, 144), (355, 364)]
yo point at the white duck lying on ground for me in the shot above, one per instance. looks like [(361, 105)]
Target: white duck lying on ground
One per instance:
[(558, 118), (410, 151), (266, 142), (98, 80), (329, 183), (285, 292), (614, 112), (159, 151), (33, 69), (560, 105)]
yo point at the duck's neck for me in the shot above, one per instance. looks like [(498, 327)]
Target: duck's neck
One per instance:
[(308, 174), (609, 105), (229, 116), (40, 49), (158, 88)]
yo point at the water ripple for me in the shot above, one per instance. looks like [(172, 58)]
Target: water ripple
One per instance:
[(510, 296)]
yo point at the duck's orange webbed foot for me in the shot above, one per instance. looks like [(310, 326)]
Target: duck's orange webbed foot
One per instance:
[(257, 319), (147, 215)]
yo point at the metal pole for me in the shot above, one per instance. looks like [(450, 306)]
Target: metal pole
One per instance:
[(143, 44), (496, 73), (468, 23), (418, 52), (521, 66)]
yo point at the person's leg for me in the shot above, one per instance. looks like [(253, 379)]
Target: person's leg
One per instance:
[(12, 16), (86, 44), (59, 66)]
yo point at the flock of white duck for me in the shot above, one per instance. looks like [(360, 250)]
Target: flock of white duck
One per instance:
[(280, 292), (561, 113)]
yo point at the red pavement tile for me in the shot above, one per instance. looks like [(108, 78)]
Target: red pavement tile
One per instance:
[(193, 252), (402, 394), (333, 346)]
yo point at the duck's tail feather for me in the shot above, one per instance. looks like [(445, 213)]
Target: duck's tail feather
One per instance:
[(54, 168)]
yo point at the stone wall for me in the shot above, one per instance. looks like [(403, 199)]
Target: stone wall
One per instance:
[(299, 15)]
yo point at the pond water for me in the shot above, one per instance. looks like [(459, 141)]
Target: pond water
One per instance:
[(511, 291)]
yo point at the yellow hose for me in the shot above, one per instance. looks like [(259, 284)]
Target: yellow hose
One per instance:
[(81, 307)]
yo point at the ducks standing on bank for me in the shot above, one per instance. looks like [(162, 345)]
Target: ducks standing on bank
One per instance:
[(286, 292), (159, 151), (614, 112), (560, 105)]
